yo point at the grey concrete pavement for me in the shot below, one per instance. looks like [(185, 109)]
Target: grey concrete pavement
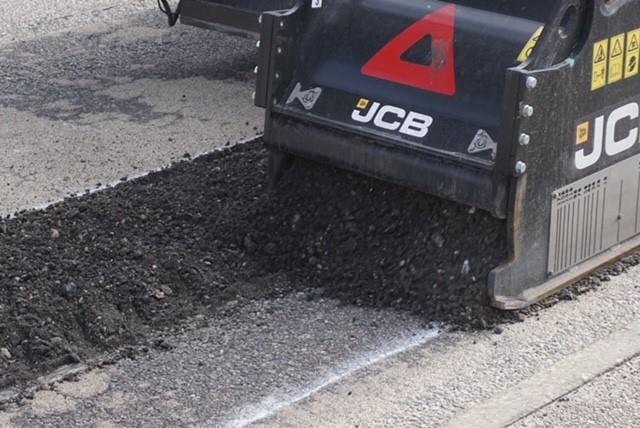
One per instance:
[(294, 363), (265, 356), (35, 18), (445, 378), (609, 401)]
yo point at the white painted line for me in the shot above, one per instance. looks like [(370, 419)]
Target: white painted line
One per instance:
[(554, 382), (274, 403), (116, 183)]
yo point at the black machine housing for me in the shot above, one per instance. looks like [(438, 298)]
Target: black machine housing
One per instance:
[(503, 91)]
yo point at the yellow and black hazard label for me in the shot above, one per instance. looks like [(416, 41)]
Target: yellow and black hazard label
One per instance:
[(531, 45), (616, 58), (600, 62), (632, 54)]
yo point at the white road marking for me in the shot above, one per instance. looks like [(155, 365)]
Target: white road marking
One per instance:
[(274, 403)]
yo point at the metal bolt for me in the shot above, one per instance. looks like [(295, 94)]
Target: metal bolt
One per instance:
[(279, 50), (258, 44), (524, 139), (520, 168), (531, 82), (277, 76), (527, 110), (260, 19), (256, 70), (281, 24)]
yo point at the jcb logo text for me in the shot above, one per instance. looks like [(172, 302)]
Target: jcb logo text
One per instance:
[(614, 133), (391, 118)]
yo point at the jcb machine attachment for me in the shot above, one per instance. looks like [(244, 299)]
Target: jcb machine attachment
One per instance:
[(529, 110)]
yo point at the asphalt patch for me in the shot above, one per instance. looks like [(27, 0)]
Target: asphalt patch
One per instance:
[(101, 272)]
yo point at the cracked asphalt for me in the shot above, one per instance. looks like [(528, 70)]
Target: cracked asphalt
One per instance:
[(94, 91)]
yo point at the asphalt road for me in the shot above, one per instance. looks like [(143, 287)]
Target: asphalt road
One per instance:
[(94, 91), (91, 92)]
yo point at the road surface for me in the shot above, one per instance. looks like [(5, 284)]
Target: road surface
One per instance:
[(94, 91)]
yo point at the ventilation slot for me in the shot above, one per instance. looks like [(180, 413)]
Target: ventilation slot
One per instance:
[(577, 224)]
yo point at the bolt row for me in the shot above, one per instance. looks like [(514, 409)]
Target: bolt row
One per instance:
[(279, 50), (526, 110)]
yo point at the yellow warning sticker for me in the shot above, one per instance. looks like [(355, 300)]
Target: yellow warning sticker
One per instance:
[(582, 133), (363, 103), (632, 54), (600, 60), (530, 46), (616, 58)]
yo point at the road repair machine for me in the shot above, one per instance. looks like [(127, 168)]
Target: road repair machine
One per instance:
[(526, 109)]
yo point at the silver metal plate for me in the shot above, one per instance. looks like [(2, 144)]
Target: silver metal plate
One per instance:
[(593, 214)]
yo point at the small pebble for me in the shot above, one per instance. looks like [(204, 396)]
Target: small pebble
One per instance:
[(4, 352), (466, 268)]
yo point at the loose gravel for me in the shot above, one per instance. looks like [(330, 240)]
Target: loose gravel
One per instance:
[(101, 272)]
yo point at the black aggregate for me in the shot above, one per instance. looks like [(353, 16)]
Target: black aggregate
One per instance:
[(98, 273)]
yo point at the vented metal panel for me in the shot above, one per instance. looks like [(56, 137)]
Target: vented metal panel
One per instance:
[(593, 214)]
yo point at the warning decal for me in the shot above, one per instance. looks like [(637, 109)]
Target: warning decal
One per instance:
[(632, 54), (600, 60), (582, 133), (616, 58), (389, 63), (530, 46)]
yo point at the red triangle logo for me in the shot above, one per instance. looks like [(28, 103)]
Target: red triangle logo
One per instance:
[(438, 77)]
